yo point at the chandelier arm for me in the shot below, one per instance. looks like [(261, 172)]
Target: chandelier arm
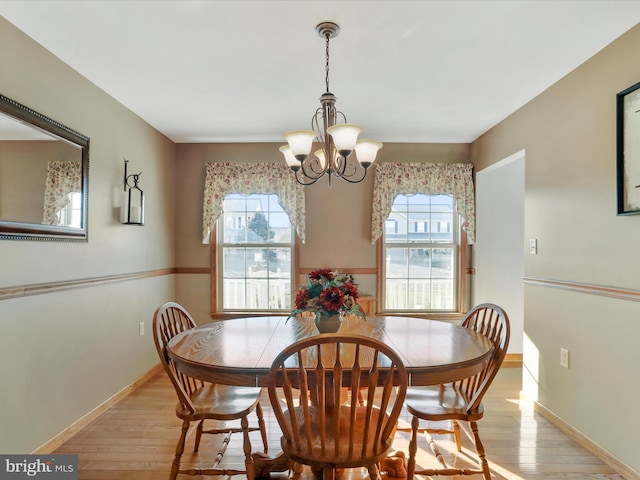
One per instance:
[(348, 177), (344, 117), (315, 172), (341, 167), (304, 177), (315, 125)]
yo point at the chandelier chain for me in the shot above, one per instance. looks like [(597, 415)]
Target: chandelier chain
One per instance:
[(326, 67)]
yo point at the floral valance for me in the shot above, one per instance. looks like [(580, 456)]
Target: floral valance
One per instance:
[(392, 179), (246, 178), (63, 178)]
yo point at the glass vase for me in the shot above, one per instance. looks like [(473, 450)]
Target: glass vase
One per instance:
[(328, 324)]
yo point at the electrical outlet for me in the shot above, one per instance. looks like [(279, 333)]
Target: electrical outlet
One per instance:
[(141, 328), (533, 246), (564, 358)]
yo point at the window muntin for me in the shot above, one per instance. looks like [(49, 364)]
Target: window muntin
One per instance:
[(421, 257), (255, 251)]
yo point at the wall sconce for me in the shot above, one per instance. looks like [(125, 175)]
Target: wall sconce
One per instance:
[(132, 209)]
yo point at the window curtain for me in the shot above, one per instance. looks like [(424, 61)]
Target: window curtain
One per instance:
[(63, 178), (247, 178), (392, 179)]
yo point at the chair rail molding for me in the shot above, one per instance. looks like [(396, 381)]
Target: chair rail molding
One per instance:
[(587, 288), (18, 291)]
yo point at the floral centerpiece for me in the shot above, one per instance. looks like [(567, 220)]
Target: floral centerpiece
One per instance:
[(327, 294)]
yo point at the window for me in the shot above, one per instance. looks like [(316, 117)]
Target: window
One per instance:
[(420, 264), (420, 227), (254, 254), (71, 214), (391, 226)]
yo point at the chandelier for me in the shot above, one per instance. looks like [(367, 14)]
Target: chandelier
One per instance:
[(335, 141)]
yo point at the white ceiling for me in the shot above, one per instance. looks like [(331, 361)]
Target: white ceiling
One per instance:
[(246, 71)]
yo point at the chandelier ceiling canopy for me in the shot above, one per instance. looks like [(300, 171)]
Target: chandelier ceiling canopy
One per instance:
[(335, 142)]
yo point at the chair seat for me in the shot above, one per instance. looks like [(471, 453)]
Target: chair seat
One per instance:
[(349, 453), (441, 402), (222, 402)]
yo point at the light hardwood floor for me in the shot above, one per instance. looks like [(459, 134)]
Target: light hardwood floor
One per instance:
[(135, 440)]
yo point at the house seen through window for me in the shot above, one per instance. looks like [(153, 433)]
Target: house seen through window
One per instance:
[(420, 254), (255, 251)]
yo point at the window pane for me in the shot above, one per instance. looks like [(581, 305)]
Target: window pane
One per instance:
[(400, 220), (279, 262), (280, 294), (418, 203), (280, 226), (442, 263), (397, 263), (396, 294), (419, 263), (234, 263), (235, 230)]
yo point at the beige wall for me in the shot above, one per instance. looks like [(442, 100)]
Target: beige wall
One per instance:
[(338, 218), (63, 354), (569, 137)]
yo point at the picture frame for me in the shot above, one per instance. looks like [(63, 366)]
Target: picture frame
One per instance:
[(628, 150)]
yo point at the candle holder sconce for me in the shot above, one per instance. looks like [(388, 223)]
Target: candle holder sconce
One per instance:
[(132, 210)]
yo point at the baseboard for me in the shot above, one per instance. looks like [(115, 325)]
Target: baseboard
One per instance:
[(607, 457), (52, 444), (512, 360)]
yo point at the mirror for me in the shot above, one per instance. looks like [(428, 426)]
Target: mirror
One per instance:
[(44, 177)]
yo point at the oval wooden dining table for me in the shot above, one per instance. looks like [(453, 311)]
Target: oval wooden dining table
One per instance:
[(240, 352)]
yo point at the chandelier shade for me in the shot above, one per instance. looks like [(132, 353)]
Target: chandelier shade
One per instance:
[(366, 151), (336, 141), (300, 142)]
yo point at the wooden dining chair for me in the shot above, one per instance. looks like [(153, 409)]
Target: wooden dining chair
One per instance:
[(459, 401), (321, 426), (199, 401)]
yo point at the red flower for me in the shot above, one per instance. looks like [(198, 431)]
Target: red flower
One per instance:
[(331, 299), (302, 297), (350, 290), (321, 272)]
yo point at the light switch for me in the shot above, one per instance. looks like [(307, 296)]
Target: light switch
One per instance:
[(564, 357), (533, 246)]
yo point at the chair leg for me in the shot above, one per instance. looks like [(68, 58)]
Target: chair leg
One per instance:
[(175, 466), (328, 473), (248, 458), (456, 434), (374, 472), (484, 465), (296, 469), (413, 448), (263, 428), (198, 435)]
